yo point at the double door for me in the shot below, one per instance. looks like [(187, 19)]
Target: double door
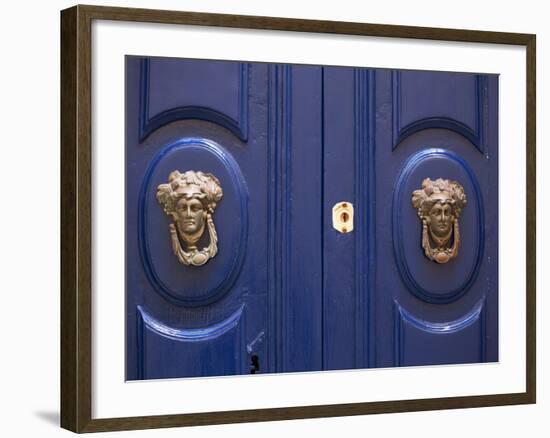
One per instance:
[(313, 243)]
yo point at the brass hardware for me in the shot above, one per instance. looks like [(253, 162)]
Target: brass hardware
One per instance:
[(190, 198), (342, 217), (439, 204)]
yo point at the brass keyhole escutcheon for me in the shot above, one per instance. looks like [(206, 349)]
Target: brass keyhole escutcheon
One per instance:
[(342, 217)]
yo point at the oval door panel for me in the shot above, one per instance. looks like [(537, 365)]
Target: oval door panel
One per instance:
[(193, 284), (430, 281)]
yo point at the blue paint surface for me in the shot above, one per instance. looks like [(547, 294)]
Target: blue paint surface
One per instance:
[(287, 292)]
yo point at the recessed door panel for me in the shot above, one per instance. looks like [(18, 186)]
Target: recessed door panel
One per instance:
[(453, 101), (183, 284), (167, 352), (429, 281), (420, 342), (177, 89)]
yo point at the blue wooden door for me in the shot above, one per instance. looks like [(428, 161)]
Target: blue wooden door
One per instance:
[(267, 284), (386, 303), (237, 122)]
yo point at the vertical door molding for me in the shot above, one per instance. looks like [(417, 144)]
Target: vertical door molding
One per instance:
[(365, 233), (279, 121)]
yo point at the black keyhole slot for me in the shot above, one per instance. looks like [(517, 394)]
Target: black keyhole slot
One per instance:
[(344, 217), (255, 364)]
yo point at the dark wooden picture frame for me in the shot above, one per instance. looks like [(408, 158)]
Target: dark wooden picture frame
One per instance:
[(76, 217)]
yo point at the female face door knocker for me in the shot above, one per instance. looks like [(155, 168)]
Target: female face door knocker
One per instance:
[(190, 199), (439, 204)]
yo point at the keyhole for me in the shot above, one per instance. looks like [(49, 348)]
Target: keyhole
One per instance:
[(342, 217), (255, 362)]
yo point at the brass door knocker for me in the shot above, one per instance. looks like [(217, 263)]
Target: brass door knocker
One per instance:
[(191, 198), (439, 204)]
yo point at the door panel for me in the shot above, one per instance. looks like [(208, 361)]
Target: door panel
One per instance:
[(423, 100), (185, 320), (437, 283), (216, 350), (420, 342), (192, 285), (176, 89), (349, 338), (300, 191), (427, 312)]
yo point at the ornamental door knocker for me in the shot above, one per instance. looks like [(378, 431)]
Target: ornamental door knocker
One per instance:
[(190, 198), (439, 204)]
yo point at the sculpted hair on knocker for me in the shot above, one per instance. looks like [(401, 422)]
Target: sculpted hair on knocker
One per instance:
[(209, 190), (424, 198)]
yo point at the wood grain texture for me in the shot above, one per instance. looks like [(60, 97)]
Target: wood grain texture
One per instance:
[(76, 371), (299, 25), (75, 220), (531, 215), (69, 326), (338, 410)]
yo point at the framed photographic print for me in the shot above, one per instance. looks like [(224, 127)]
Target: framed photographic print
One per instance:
[(267, 218)]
